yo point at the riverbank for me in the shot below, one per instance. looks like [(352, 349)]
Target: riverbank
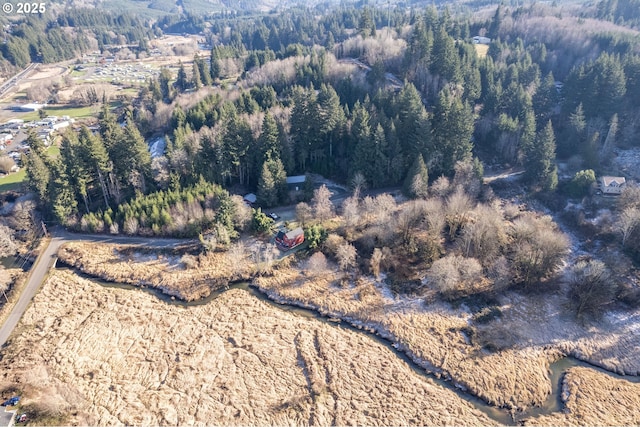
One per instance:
[(434, 336), (588, 395), (531, 333), (87, 354), (184, 276)]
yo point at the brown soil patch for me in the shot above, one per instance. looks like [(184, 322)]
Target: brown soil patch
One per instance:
[(112, 356), (47, 72)]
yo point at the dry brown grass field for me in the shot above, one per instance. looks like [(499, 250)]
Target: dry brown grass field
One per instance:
[(593, 398), (187, 277), (89, 355), (531, 334)]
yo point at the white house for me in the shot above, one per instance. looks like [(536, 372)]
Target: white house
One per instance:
[(481, 40), (60, 125), (45, 136), (611, 184)]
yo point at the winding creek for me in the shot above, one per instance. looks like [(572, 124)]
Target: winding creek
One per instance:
[(500, 415)]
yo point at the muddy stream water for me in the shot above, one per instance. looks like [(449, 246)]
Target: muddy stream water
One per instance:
[(500, 415)]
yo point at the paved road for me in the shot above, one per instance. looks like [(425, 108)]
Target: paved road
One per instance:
[(15, 80), (46, 258)]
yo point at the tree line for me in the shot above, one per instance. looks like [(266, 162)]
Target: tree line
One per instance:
[(453, 104)]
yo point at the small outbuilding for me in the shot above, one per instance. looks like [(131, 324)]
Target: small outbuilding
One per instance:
[(250, 199), (295, 183), (290, 239), (481, 40)]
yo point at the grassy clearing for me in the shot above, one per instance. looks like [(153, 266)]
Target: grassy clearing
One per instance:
[(481, 50), (74, 112), (78, 73), (14, 181), (29, 117)]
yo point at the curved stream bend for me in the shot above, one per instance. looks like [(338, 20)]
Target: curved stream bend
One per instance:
[(500, 415)]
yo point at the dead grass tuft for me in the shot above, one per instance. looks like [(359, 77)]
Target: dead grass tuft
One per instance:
[(123, 357), (594, 398), (189, 277), (432, 335)]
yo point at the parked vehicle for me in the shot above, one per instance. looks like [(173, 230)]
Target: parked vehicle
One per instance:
[(11, 402)]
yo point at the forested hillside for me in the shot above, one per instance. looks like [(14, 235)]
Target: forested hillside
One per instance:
[(342, 94)]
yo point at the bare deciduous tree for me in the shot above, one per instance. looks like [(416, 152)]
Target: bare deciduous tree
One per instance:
[(376, 260), (378, 211), (39, 92), (6, 163), (466, 177), (131, 225), (457, 210), (24, 218), (333, 242), (359, 184), (160, 171), (630, 197), (628, 222), (304, 214), (483, 237), (351, 212), (537, 248), (411, 214), (346, 255), (322, 205), (241, 212), (441, 187), (317, 264), (454, 276), (264, 257), (237, 257), (217, 239), (500, 273), (591, 287), (434, 216), (8, 246)]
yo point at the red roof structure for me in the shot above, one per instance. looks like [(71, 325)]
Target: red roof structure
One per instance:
[(291, 239)]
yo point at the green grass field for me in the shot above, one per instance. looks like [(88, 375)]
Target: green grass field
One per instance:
[(74, 112), (14, 181)]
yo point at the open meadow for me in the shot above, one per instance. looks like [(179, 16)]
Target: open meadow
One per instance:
[(531, 334), (86, 354)]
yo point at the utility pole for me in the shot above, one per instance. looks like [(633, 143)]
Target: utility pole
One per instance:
[(44, 229)]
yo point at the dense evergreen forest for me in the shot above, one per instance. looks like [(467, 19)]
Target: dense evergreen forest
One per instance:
[(342, 94), (48, 38)]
